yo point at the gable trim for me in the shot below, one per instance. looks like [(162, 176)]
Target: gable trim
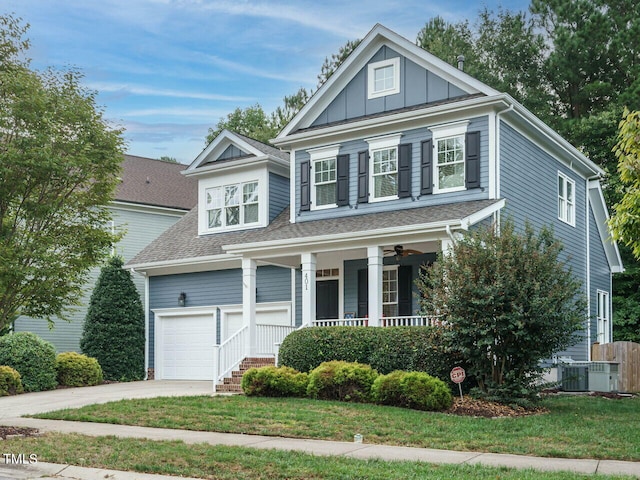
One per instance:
[(598, 205), (376, 38)]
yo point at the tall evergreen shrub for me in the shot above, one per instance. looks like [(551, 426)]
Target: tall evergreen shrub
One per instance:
[(114, 326)]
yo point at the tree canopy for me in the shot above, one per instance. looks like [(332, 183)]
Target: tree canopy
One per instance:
[(59, 167)]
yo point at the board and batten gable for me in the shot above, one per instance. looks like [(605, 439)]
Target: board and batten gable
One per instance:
[(140, 226), (529, 183), (417, 86), (213, 289), (414, 137)]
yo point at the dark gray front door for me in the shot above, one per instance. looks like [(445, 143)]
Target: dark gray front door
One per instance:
[(326, 299)]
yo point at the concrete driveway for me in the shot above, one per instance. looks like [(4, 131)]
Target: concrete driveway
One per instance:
[(38, 402)]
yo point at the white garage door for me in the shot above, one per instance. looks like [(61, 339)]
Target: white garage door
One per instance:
[(185, 347)]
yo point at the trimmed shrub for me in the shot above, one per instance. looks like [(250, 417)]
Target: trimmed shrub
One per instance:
[(114, 327), (10, 382), (77, 370), (33, 357), (416, 390), (273, 381), (344, 381), (385, 349)]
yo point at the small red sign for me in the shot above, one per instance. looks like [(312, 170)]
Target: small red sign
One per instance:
[(457, 375)]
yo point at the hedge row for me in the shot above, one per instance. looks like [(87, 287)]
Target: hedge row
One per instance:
[(351, 382), (385, 349)]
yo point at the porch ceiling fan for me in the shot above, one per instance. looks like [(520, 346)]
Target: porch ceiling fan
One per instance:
[(399, 251)]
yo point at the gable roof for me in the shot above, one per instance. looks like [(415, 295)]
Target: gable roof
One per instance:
[(180, 244), (247, 149), (599, 209), (158, 183), (380, 36)]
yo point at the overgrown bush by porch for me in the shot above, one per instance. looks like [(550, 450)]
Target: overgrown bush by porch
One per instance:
[(385, 349), (272, 381)]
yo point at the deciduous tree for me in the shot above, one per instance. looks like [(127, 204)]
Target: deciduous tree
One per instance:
[(59, 166)]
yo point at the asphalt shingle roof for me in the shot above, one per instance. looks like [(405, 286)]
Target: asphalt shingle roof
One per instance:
[(155, 182), (181, 241)]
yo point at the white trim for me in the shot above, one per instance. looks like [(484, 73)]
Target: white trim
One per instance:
[(588, 269), (494, 146), (147, 208), (441, 133), (292, 185), (376, 144), (596, 200), (319, 155), (566, 212), (364, 236), (603, 322), (371, 80)]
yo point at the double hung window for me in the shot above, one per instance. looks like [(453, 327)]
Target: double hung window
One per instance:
[(390, 292), (324, 176), (450, 157), (566, 199)]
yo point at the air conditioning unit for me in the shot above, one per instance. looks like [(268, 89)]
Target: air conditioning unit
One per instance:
[(603, 377), (574, 377)]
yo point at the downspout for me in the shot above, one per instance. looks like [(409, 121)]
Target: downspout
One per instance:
[(496, 215), (146, 321)]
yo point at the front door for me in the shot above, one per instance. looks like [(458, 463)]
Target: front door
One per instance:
[(326, 299)]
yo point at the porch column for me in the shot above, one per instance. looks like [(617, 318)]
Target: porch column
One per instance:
[(375, 256), (446, 245), (249, 302), (309, 261)]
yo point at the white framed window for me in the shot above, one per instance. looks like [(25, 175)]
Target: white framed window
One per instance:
[(383, 167), (383, 78), (390, 291), (449, 157), (324, 173), (232, 205), (566, 199), (602, 316)]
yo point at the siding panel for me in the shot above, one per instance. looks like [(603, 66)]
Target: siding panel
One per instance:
[(528, 180)]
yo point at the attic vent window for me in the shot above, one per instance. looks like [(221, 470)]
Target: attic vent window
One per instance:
[(384, 78)]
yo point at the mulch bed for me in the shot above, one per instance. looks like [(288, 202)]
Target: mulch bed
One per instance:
[(474, 407), (22, 431)]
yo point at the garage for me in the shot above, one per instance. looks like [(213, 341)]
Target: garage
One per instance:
[(184, 346)]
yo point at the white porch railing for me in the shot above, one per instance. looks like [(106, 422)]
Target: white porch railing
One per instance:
[(342, 322), (270, 335), (229, 354), (405, 321), (410, 321)]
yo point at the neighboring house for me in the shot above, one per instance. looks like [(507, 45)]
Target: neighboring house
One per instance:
[(396, 154), (151, 197)]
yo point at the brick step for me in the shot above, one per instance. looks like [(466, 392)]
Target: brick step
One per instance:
[(232, 384)]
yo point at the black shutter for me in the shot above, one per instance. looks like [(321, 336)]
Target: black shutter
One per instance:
[(405, 290), (363, 177), (426, 168), (404, 170), (472, 167), (305, 185), (342, 180), (363, 292)]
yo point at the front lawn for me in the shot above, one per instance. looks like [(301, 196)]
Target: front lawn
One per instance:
[(230, 463), (575, 427)]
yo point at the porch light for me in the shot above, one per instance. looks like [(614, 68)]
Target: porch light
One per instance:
[(182, 299)]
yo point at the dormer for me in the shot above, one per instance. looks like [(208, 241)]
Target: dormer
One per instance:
[(242, 184)]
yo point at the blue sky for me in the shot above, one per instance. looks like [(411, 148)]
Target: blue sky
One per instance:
[(167, 70)]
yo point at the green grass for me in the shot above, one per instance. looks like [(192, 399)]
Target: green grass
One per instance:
[(220, 462), (575, 427)]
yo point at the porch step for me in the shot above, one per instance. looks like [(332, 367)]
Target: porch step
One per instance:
[(232, 384)]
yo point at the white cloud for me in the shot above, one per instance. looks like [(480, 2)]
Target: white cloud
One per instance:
[(161, 92)]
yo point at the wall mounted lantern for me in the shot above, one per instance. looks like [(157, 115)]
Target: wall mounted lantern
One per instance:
[(182, 299)]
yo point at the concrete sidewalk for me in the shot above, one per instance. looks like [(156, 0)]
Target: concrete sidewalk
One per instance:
[(331, 448)]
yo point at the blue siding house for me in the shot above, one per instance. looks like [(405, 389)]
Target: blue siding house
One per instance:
[(391, 159)]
